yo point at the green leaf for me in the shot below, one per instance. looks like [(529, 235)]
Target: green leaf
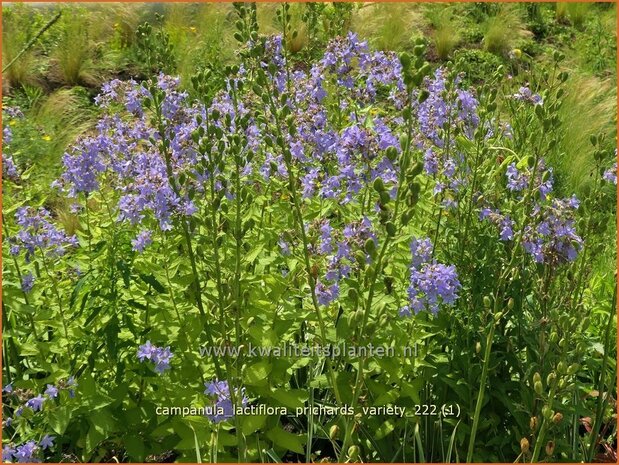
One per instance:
[(197, 445), (286, 440), (156, 285), (292, 398), (256, 374), (134, 446), (93, 438), (59, 419), (384, 429), (252, 423)]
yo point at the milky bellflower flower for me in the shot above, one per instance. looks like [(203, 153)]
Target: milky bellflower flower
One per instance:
[(503, 222), (553, 239), (25, 453), (219, 392), (160, 356), (47, 442), (431, 283), (519, 179), (38, 233), (27, 282), (525, 94), (610, 175)]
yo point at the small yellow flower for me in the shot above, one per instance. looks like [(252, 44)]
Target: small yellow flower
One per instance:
[(12, 122), (47, 138), (192, 29)]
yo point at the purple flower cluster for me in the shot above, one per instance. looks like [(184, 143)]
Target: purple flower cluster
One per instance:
[(37, 232), (431, 283), (222, 407), (82, 166), (503, 222), (358, 70), (143, 240), (27, 282), (160, 356), (553, 238), (442, 107), (457, 109), (338, 249), (610, 175), (525, 94), (27, 452), (356, 156), (9, 169), (518, 180), (152, 179)]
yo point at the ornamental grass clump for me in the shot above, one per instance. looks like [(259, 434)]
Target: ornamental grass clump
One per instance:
[(360, 199)]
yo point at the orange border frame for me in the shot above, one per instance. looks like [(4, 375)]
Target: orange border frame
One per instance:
[(326, 1)]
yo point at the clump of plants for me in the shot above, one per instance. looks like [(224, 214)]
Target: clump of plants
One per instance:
[(366, 200)]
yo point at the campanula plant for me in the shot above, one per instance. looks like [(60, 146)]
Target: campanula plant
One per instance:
[(355, 200)]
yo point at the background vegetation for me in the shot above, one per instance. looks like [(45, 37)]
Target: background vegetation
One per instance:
[(55, 83)]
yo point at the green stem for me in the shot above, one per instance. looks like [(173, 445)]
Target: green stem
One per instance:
[(482, 389)]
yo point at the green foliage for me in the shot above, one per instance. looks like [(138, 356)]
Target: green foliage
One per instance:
[(524, 358), (503, 30), (477, 65), (574, 12), (446, 31)]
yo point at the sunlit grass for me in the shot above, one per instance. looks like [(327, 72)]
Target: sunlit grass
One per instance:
[(503, 30), (446, 31), (574, 13), (390, 26), (589, 108)]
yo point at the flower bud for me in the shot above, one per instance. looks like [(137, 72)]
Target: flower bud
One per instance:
[(547, 412), (551, 378), (533, 423), (537, 377), (417, 169), (353, 452), (554, 337), (561, 368), (391, 153), (487, 301), (539, 389), (510, 303), (404, 142), (379, 186), (573, 369), (334, 432), (370, 246), (524, 445), (550, 447), (405, 60), (390, 227), (384, 197), (478, 347), (406, 217), (557, 418)]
